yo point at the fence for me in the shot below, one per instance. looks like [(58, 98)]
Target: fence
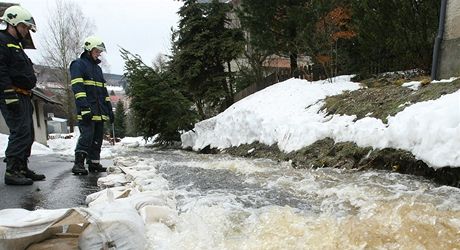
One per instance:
[(268, 81)]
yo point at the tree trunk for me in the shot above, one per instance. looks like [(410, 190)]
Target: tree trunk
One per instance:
[(294, 66), (230, 80), (199, 107)]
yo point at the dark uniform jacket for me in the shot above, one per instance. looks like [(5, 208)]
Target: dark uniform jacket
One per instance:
[(88, 85), (16, 69)]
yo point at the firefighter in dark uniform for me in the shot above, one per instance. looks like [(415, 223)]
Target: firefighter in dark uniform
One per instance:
[(93, 106), (17, 79)]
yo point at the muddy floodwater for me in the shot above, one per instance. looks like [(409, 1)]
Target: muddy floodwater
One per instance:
[(223, 202)]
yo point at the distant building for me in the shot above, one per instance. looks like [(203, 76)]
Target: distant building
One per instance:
[(48, 78), (57, 126), (114, 99)]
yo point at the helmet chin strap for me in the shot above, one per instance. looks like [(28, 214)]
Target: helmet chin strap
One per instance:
[(18, 34), (90, 56)]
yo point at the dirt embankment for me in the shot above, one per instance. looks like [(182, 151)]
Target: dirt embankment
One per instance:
[(383, 96)]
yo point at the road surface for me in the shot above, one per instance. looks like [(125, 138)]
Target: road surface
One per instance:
[(61, 189)]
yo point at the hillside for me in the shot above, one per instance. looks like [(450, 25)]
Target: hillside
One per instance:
[(48, 75)]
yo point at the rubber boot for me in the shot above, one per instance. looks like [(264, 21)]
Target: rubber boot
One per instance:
[(31, 174), (96, 167), (79, 165), (13, 173)]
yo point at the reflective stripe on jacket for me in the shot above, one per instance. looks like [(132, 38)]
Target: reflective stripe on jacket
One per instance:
[(16, 69)]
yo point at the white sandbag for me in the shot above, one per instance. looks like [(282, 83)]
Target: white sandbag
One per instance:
[(115, 225), (102, 196), (20, 228), (159, 214), (113, 221)]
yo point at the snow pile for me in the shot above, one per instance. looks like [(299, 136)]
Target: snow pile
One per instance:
[(37, 148), (414, 85), (134, 142), (284, 113), (114, 88), (288, 114), (67, 146)]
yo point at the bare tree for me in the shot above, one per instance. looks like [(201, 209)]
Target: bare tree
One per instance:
[(160, 62), (67, 28)]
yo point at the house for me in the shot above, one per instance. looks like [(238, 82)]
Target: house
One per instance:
[(39, 99), (57, 126)]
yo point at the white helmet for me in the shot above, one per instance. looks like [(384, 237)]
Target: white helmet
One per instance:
[(92, 42), (16, 14)]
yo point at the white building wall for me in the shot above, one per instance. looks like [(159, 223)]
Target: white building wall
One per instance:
[(452, 27), (449, 61), (41, 135)]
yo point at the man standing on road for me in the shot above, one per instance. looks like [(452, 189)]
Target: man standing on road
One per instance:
[(93, 106), (17, 79)]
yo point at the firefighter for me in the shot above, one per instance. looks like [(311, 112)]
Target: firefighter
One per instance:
[(17, 79), (93, 106)]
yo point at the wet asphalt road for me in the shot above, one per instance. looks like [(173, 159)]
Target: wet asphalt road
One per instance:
[(60, 189)]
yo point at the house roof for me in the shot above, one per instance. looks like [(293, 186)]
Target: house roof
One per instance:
[(115, 98), (39, 94), (278, 63), (57, 119), (27, 43), (285, 62)]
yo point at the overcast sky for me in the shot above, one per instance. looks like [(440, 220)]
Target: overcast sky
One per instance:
[(141, 26)]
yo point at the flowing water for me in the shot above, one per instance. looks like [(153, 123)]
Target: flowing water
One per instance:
[(224, 202)]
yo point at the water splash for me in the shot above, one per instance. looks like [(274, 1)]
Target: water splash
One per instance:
[(223, 202)]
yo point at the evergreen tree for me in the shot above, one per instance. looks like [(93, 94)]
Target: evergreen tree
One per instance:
[(345, 36), (203, 45), (120, 118), (158, 105), (131, 125), (278, 27), (394, 35)]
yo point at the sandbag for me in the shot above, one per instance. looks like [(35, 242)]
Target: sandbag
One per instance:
[(116, 227)]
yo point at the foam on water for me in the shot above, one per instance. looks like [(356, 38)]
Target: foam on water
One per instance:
[(220, 202)]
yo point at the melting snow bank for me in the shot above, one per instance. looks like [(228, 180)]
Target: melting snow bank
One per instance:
[(37, 148), (288, 115)]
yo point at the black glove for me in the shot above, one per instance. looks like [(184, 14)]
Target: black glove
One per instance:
[(111, 117), (11, 100), (86, 115)]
